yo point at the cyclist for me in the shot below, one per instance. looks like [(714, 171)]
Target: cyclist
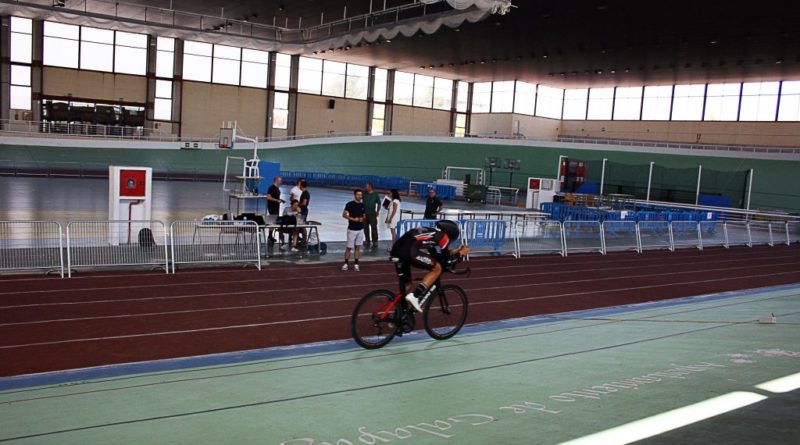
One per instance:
[(425, 248)]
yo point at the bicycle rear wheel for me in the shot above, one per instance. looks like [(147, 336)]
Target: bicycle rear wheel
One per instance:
[(446, 312), (370, 328)]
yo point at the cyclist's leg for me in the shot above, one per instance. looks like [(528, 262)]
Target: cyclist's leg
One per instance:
[(423, 260)]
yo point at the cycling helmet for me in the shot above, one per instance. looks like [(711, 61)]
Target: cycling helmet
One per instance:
[(450, 228)]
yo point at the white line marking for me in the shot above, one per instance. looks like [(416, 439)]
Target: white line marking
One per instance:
[(272, 279), (251, 325), (670, 420), (781, 385), (282, 290)]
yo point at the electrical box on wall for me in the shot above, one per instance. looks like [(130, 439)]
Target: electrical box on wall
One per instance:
[(130, 202), (132, 183)]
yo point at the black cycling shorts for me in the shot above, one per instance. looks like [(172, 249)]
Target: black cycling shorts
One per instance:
[(407, 254)]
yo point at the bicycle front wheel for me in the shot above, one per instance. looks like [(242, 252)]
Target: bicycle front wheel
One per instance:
[(373, 324), (446, 312)]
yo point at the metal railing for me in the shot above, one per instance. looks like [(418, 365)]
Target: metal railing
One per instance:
[(219, 242), (680, 145), (94, 244), (31, 245), (583, 236), (621, 235)]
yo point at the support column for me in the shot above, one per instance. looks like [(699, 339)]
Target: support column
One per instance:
[(294, 75), (602, 175), (370, 96), (37, 70), (5, 67), (388, 123), (177, 89), (650, 180), (749, 188), (699, 176), (270, 92)]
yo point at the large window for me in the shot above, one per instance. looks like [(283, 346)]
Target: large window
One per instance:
[(97, 49), (280, 112), (575, 101), (61, 43), (525, 98), (462, 95), (687, 102), (442, 93), (356, 82), (461, 125), (423, 91), (628, 103), (197, 61), (283, 64), (722, 102), (309, 76), (21, 42), (162, 108), (21, 46), (165, 57), (657, 103), (379, 93), (227, 61), (601, 103), (503, 97), (759, 101), (481, 97), (378, 119), (333, 78), (130, 53), (403, 88), (790, 101), (549, 102), (165, 63), (255, 68)]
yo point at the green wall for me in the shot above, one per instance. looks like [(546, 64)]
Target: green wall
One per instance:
[(776, 183)]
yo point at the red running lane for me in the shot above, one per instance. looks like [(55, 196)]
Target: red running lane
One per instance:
[(53, 324)]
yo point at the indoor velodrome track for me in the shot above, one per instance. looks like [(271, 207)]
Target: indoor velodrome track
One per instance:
[(555, 349)]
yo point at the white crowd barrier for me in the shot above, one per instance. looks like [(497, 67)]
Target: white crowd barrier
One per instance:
[(583, 236), (655, 235), (713, 233), (31, 245), (219, 242), (539, 236), (620, 236), (685, 234), (94, 244)]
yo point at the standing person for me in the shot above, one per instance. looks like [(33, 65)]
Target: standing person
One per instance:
[(296, 191), (305, 198), (433, 205), (354, 214), (372, 205), (274, 202), (393, 214)]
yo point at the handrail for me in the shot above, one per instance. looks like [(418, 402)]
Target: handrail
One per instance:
[(681, 145), (747, 214)]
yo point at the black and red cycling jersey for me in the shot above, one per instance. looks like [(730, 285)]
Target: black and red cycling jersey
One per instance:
[(422, 247)]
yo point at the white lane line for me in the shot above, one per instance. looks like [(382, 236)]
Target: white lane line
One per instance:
[(251, 325), (282, 290), (541, 260), (781, 385), (272, 279), (670, 420)]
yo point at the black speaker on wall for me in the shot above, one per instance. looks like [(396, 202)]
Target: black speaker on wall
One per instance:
[(331, 104)]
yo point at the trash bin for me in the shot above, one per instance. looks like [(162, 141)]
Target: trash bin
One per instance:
[(476, 192)]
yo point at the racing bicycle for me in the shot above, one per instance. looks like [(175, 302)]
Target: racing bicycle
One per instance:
[(381, 315)]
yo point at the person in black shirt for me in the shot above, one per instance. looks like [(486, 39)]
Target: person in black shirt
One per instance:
[(433, 205), (354, 214), (305, 197), (274, 202)]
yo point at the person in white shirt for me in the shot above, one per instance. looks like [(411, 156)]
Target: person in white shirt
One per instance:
[(296, 191), (393, 214)]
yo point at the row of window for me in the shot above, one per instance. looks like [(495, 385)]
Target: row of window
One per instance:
[(85, 47), (741, 101)]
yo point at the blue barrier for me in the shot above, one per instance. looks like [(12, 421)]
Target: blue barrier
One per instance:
[(442, 191), (479, 235), (561, 212), (345, 180)]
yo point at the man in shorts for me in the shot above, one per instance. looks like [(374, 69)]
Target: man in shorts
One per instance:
[(354, 214)]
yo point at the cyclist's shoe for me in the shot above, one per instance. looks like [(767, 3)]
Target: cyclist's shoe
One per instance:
[(356, 268), (344, 267), (414, 302)]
